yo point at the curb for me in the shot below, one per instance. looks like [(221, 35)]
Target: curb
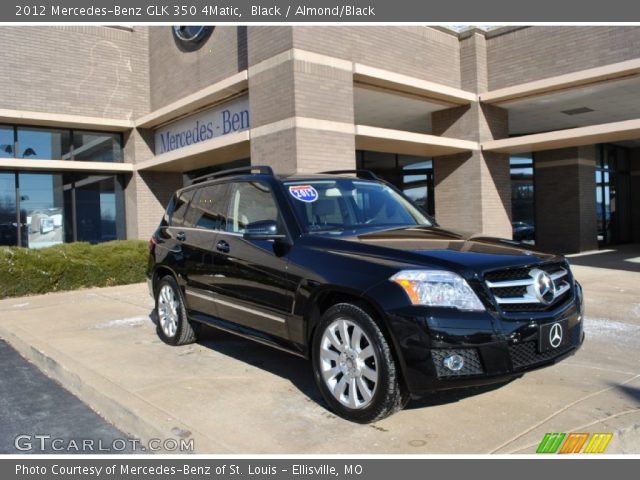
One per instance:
[(128, 412)]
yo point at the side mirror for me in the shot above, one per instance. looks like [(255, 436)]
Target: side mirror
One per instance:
[(263, 230)]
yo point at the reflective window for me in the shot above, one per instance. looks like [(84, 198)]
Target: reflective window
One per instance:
[(8, 212), (181, 207), (345, 206), (208, 208), (250, 202), (522, 199), (53, 208), (59, 144), (613, 195), (43, 143), (97, 146), (41, 209), (411, 174), (99, 201), (6, 142)]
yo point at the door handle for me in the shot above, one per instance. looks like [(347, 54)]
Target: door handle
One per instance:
[(223, 246), (180, 236)]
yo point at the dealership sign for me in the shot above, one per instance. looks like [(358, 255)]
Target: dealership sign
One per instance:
[(222, 120)]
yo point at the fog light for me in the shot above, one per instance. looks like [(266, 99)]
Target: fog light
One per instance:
[(454, 362)]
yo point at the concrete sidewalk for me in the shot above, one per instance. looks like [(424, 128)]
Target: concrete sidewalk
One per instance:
[(235, 396)]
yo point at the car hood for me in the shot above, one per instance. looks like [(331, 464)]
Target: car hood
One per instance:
[(435, 246)]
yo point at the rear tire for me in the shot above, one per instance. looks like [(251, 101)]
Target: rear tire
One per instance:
[(173, 326), (354, 367)]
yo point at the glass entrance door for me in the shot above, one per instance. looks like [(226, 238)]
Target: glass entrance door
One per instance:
[(613, 195)]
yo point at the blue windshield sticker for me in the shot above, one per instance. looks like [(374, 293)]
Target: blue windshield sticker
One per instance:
[(304, 193)]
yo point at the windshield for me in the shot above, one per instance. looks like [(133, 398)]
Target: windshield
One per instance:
[(345, 204)]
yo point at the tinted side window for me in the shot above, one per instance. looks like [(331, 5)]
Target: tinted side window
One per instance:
[(181, 208), (209, 207), (250, 202), (166, 218)]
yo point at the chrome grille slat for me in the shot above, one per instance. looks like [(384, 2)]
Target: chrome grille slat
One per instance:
[(525, 282), (515, 289), (558, 274)]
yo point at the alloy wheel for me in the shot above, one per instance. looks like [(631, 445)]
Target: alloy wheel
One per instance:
[(168, 306), (349, 364)]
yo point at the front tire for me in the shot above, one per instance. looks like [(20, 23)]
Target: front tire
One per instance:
[(354, 367), (173, 326)]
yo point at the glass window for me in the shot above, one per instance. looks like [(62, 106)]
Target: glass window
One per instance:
[(346, 205), (411, 174), (250, 202), (56, 208), (99, 201), (181, 207), (417, 181), (43, 143), (41, 209), (6, 141), (97, 146), (522, 199), (209, 206), (8, 212)]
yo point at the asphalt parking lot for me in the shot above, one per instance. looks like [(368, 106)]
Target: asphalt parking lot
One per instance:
[(37, 415), (231, 395)]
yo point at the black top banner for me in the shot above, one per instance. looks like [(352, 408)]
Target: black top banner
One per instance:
[(326, 11)]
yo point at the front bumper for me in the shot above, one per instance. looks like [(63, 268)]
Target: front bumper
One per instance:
[(495, 349)]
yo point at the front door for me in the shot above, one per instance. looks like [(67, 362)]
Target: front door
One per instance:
[(250, 276)]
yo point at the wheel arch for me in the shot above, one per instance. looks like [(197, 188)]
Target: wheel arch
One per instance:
[(161, 271), (319, 303)]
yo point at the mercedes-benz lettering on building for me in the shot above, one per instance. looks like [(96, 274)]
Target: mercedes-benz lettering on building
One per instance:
[(531, 133)]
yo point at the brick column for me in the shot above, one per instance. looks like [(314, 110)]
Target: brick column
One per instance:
[(566, 200), (146, 193), (301, 107), (473, 190)]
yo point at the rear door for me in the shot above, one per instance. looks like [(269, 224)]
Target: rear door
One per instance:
[(251, 281), (207, 216), (185, 246)]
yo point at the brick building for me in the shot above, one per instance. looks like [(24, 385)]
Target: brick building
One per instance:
[(524, 132)]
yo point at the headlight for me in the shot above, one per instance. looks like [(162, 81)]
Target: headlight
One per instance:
[(438, 288)]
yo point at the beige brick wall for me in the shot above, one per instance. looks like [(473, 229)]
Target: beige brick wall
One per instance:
[(473, 190), (271, 95), (418, 51), (565, 200), (293, 89), (266, 41), (473, 63), (175, 73), (277, 150), (319, 151), (323, 92), (77, 70), (538, 52), (148, 194), (458, 192)]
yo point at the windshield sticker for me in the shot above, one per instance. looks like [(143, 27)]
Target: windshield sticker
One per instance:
[(304, 193)]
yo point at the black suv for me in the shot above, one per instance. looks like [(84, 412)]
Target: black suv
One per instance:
[(343, 269)]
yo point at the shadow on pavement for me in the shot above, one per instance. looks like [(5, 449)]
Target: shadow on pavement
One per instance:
[(622, 257), (298, 370), (632, 392)]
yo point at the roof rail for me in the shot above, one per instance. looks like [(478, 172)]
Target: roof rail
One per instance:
[(262, 170), (360, 173)]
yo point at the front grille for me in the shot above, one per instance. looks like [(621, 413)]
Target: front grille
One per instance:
[(514, 290), (526, 354), (472, 364)]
